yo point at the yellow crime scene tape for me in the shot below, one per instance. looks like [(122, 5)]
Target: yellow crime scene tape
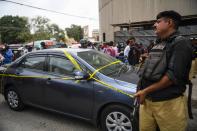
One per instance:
[(71, 59), (113, 88), (97, 70), (69, 56), (16, 76)]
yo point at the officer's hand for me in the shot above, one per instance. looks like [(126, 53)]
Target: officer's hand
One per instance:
[(141, 94)]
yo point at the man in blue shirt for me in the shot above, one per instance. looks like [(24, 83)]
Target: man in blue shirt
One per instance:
[(8, 55)]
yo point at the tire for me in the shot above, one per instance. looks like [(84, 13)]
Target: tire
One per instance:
[(13, 99), (117, 118)]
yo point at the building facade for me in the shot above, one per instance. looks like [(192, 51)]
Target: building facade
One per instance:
[(119, 19), (95, 34), (86, 32)]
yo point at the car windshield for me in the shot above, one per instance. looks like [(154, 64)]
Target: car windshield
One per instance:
[(98, 60)]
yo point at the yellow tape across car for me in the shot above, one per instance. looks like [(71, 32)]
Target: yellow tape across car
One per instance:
[(17, 76), (71, 59), (113, 88), (91, 76), (69, 56)]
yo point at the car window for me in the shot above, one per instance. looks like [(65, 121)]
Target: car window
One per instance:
[(98, 60), (61, 65), (36, 62)]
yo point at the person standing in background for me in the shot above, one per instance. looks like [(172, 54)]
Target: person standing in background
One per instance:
[(127, 48), (110, 50), (115, 48), (7, 54)]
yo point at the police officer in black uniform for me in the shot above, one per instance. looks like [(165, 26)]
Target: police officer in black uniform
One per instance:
[(164, 77)]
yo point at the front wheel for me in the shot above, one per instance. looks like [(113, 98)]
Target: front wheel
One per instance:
[(13, 99), (116, 118)]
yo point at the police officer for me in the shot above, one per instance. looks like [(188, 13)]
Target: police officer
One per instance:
[(164, 77)]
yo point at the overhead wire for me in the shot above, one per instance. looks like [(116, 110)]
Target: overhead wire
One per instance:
[(57, 12)]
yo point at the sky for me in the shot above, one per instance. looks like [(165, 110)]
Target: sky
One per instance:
[(84, 8)]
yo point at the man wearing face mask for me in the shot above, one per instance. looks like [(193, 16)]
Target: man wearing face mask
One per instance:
[(164, 77)]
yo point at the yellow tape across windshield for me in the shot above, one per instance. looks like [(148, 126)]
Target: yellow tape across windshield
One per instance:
[(91, 76), (97, 70)]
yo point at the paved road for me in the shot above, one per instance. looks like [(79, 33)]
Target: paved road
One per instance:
[(33, 119)]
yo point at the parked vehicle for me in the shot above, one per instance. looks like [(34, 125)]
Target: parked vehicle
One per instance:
[(82, 83), (59, 45), (37, 44)]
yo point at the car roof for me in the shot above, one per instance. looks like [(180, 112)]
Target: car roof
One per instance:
[(70, 50)]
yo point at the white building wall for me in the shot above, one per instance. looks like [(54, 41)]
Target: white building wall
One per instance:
[(126, 11)]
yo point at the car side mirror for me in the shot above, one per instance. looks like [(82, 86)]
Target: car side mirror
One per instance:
[(81, 75)]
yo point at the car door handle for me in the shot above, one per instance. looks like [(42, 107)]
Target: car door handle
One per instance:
[(17, 73), (48, 81)]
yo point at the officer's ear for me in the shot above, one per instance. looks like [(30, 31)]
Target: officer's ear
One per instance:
[(170, 22)]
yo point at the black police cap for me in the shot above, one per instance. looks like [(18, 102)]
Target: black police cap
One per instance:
[(170, 14)]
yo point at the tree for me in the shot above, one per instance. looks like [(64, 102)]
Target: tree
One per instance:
[(14, 29), (75, 32), (56, 32), (40, 26), (44, 30)]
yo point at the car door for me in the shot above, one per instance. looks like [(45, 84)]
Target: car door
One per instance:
[(31, 78), (67, 95)]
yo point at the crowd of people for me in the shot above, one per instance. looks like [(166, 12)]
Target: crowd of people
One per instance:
[(6, 55), (132, 54)]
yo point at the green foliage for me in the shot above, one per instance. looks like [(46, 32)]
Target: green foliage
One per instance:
[(40, 28), (44, 30), (57, 32), (75, 32), (14, 29)]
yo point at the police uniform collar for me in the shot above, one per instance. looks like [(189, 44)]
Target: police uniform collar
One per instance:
[(168, 39)]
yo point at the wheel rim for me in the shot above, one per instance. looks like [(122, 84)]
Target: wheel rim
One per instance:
[(117, 121), (13, 99)]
